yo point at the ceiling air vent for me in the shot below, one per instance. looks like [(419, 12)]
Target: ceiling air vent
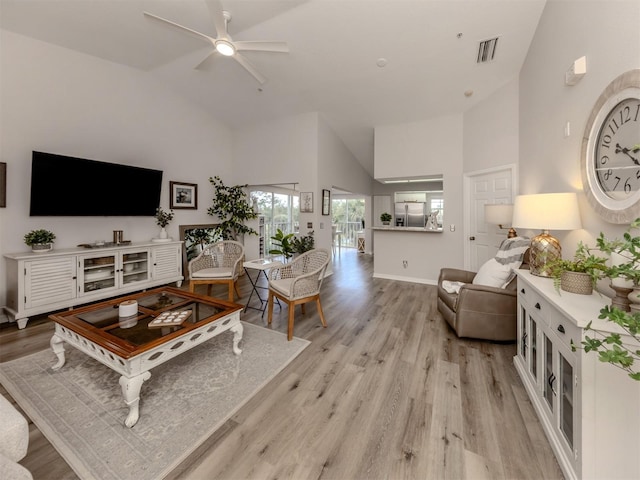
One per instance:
[(487, 50)]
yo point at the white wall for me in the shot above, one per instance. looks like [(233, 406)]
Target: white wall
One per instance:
[(491, 130), (60, 101), (429, 147), (298, 149), (608, 33)]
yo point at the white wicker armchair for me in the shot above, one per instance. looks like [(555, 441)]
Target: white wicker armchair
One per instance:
[(298, 283), (220, 262)]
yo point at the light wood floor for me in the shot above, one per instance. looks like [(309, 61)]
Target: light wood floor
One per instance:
[(387, 391)]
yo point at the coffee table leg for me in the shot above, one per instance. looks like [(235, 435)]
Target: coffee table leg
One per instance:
[(237, 336), (131, 393), (57, 345)]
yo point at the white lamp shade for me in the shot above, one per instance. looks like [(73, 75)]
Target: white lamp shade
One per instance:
[(498, 214), (547, 211)]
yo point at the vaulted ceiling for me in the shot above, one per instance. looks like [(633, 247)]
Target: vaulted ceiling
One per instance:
[(360, 63)]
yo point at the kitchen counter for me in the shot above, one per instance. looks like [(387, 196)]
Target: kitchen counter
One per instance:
[(390, 228)]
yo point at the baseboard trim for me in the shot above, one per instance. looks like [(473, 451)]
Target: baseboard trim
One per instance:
[(425, 281)]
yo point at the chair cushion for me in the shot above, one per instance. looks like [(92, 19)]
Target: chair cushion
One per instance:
[(497, 271), (215, 272), (282, 286)]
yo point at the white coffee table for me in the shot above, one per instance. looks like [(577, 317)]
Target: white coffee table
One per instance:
[(132, 346)]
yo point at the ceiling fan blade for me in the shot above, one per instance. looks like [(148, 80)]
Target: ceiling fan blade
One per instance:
[(193, 33), (257, 46), (211, 55), (249, 68), (215, 10)]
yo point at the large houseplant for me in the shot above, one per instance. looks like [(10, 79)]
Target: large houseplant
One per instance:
[(303, 243), (283, 244), (231, 206)]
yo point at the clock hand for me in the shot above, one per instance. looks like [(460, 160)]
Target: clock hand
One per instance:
[(626, 151)]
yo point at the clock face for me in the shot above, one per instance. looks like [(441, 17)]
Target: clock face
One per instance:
[(610, 160), (617, 151)]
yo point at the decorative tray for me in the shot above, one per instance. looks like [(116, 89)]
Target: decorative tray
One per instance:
[(169, 319)]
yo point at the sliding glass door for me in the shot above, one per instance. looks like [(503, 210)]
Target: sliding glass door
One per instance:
[(280, 210), (347, 215)]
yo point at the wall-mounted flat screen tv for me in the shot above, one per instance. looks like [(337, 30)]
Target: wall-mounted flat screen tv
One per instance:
[(69, 186)]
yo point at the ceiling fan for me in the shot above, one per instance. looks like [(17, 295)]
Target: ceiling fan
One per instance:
[(223, 44)]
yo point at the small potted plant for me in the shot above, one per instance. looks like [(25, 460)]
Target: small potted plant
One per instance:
[(579, 275), (303, 243), (40, 240), (163, 219), (385, 218)]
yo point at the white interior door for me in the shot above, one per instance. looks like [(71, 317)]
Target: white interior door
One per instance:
[(485, 187)]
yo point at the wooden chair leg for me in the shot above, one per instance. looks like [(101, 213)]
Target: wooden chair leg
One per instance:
[(320, 312), (270, 307), (235, 286), (290, 326), (231, 292), (208, 289)]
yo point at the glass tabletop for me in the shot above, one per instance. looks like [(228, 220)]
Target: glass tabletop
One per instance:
[(148, 324)]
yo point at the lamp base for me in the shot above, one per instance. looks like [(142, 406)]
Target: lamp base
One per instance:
[(544, 249)]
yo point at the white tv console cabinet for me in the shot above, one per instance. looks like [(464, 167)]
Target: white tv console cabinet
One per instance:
[(588, 409), (44, 282)]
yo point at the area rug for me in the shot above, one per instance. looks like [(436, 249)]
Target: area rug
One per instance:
[(80, 409)]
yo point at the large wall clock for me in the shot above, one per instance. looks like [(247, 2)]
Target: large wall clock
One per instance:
[(610, 160)]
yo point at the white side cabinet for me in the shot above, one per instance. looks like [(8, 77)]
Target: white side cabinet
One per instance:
[(43, 282), (588, 409)]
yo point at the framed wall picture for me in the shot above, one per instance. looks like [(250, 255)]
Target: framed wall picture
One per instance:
[(326, 202), (183, 195), (306, 202)]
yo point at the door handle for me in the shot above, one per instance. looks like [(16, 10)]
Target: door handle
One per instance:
[(472, 238)]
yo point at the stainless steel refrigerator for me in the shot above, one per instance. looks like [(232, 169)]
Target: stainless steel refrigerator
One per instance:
[(410, 214)]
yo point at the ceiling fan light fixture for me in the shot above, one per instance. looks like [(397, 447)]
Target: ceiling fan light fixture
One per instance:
[(225, 48)]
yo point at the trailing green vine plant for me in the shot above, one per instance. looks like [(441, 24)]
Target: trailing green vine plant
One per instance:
[(231, 206), (611, 347)]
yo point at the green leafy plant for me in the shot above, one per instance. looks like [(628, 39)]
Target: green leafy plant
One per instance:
[(231, 206), (610, 347), (628, 247), (583, 262), (303, 243), (163, 218), (40, 236), (385, 217), (283, 244)]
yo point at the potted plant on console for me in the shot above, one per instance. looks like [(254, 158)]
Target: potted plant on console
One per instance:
[(40, 240), (625, 266), (385, 218), (162, 220), (283, 245), (620, 349), (579, 275)]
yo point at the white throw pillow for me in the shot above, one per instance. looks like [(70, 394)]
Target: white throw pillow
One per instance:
[(492, 274)]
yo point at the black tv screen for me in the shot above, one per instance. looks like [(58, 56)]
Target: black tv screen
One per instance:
[(69, 186)]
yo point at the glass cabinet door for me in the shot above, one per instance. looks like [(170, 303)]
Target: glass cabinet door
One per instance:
[(522, 344), (97, 273), (135, 267), (549, 376), (566, 375), (533, 360)]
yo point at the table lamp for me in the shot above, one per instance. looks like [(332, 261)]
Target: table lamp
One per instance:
[(546, 211), (500, 214)]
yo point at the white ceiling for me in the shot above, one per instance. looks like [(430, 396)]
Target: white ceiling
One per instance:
[(331, 68)]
